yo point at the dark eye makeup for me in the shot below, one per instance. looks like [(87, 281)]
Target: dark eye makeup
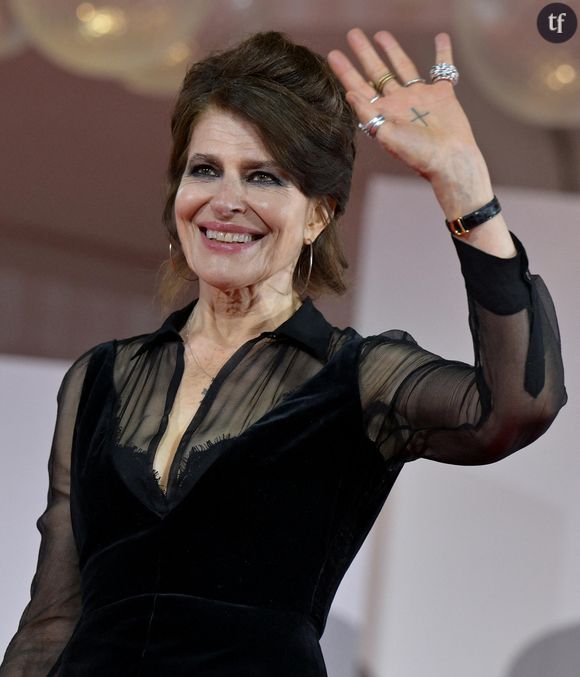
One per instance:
[(254, 176), (264, 177), (201, 170)]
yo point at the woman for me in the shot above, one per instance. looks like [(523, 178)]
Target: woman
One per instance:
[(210, 482)]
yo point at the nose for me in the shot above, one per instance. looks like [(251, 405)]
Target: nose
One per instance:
[(229, 198)]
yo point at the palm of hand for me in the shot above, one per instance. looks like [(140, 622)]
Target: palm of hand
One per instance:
[(425, 126)]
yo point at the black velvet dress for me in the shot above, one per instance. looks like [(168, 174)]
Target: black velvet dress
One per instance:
[(274, 486)]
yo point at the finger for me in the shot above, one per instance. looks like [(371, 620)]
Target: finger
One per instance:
[(405, 68), (373, 65), (348, 75), (443, 48), (443, 54), (363, 109)]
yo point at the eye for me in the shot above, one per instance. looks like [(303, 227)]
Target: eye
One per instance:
[(264, 178), (202, 170)]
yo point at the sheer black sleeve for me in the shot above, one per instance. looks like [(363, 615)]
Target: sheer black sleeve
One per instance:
[(417, 404), (49, 618)]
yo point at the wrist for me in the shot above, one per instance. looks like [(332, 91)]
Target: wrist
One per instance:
[(475, 219), (463, 188)]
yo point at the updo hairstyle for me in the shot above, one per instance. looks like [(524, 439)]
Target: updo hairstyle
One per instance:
[(299, 110)]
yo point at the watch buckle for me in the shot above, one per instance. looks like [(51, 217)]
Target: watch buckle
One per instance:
[(457, 228)]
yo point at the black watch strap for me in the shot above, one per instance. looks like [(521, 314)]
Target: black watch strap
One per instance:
[(462, 225)]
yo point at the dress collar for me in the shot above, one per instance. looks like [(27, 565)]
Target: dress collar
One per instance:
[(307, 326)]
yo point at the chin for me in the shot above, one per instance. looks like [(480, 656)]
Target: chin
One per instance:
[(225, 284)]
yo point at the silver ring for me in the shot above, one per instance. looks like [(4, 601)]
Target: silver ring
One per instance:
[(412, 82), (370, 128), (444, 71), (375, 98)]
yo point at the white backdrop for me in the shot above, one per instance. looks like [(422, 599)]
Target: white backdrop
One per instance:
[(467, 568)]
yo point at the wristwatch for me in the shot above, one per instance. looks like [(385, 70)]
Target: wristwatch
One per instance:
[(462, 225)]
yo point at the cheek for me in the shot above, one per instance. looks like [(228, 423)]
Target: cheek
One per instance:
[(187, 202), (285, 216)]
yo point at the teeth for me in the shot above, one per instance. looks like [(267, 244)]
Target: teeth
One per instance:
[(229, 237)]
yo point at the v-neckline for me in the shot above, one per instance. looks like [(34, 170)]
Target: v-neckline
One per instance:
[(206, 400), (169, 505), (204, 405), (304, 335)]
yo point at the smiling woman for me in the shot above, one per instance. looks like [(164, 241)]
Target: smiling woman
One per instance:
[(288, 100), (212, 481), (241, 221)]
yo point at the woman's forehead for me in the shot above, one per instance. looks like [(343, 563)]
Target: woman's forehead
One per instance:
[(226, 131)]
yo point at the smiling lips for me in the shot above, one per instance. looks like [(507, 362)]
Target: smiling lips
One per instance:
[(229, 237), (228, 233)]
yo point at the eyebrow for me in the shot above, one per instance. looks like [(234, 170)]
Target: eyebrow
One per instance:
[(248, 164)]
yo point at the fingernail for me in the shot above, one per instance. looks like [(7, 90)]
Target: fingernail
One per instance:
[(385, 36)]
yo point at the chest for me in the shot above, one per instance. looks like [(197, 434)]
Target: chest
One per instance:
[(274, 413), (193, 388), (171, 418)]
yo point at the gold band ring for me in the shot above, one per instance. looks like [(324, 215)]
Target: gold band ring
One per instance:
[(382, 81)]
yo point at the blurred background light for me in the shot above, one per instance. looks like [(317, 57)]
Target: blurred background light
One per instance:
[(146, 44), (529, 78), (108, 40), (12, 39)]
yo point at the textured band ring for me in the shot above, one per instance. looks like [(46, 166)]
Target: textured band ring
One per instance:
[(382, 81), (444, 71), (412, 82), (370, 128)]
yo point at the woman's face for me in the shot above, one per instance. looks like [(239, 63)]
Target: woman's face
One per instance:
[(233, 190)]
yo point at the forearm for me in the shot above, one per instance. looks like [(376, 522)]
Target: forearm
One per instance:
[(35, 649), (480, 415)]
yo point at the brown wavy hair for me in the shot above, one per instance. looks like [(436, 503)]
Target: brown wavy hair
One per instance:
[(298, 107)]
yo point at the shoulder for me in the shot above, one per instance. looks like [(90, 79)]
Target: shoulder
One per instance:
[(76, 373), (394, 349), (114, 354), (81, 363), (116, 348), (390, 336), (348, 338)]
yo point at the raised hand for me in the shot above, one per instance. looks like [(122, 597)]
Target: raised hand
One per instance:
[(425, 125)]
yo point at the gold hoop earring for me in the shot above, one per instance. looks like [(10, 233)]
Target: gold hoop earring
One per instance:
[(175, 269)]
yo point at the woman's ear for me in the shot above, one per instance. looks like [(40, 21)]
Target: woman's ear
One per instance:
[(327, 205), (322, 213)]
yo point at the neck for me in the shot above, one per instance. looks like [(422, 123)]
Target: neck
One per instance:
[(230, 318)]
